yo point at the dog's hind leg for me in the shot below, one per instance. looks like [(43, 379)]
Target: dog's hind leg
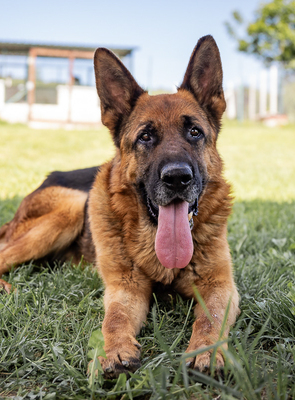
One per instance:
[(47, 221), (3, 231)]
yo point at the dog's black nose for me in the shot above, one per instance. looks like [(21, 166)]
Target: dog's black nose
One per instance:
[(176, 175)]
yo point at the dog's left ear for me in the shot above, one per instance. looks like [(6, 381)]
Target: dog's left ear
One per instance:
[(116, 88), (203, 77)]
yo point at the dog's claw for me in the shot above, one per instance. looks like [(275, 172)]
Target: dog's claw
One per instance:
[(125, 364), (204, 370), (138, 346), (108, 370)]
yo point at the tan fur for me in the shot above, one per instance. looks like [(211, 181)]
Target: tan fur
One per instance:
[(123, 237), (50, 218), (128, 264)]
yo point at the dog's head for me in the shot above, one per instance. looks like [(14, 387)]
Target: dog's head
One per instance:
[(166, 143)]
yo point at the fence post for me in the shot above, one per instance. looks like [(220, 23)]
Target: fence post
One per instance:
[(252, 99), (263, 93), (273, 90), (240, 103)]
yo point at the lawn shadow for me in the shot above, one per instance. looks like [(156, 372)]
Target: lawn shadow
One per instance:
[(262, 243), (262, 218)]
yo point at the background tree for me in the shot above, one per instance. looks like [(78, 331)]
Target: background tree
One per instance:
[(271, 35)]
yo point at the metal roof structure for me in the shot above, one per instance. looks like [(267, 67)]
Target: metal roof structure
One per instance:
[(23, 49)]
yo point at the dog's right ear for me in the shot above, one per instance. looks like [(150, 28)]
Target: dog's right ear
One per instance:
[(117, 90)]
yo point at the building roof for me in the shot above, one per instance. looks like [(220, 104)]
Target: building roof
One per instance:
[(22, 49)]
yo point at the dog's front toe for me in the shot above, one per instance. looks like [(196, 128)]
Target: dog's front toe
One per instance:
[(123, 358), (114, 366), (204, 363), (4, 286)]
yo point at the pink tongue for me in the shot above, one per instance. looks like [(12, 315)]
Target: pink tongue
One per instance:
[(174, 244)]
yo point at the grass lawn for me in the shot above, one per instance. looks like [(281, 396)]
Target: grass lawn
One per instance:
[(45, 326)]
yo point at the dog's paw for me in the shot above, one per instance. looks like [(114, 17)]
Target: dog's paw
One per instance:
[(123, 359), (4, 286), (203, 362), (115, 365)]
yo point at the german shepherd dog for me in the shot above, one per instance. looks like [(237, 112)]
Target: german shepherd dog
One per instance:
[(157, 212)]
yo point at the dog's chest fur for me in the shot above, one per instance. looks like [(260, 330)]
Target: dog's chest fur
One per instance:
[(125, 234)]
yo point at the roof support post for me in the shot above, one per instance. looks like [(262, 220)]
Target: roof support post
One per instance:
[(31, 83), (71, 83)]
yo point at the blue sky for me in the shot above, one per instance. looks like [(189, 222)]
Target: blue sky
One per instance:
[(164, 32)]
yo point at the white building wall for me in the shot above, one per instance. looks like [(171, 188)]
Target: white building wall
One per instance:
[(85, 105), (230, 98), (75, 105), (2, 93)]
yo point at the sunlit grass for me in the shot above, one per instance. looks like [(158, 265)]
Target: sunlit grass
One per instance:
[(28, 155), (259, 161)]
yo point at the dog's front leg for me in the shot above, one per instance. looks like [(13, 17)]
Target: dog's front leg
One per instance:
[(126, 303), (207, 328)]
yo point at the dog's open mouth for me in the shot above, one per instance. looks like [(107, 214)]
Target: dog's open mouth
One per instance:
[(174, 222), (154, 209), (174, 244)]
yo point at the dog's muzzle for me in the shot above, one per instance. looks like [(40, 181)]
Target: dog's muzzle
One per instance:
[(176, 176), (172, 199)]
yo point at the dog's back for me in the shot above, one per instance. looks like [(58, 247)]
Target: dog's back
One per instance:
[(80, 179)]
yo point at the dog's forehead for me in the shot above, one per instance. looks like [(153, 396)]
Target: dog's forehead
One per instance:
[(166, 109)]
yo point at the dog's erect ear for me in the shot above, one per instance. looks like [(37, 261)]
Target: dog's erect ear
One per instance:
[(203, 77), (116, 88)]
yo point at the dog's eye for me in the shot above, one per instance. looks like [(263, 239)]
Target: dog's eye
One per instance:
[(146, 137), (196, 132)]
